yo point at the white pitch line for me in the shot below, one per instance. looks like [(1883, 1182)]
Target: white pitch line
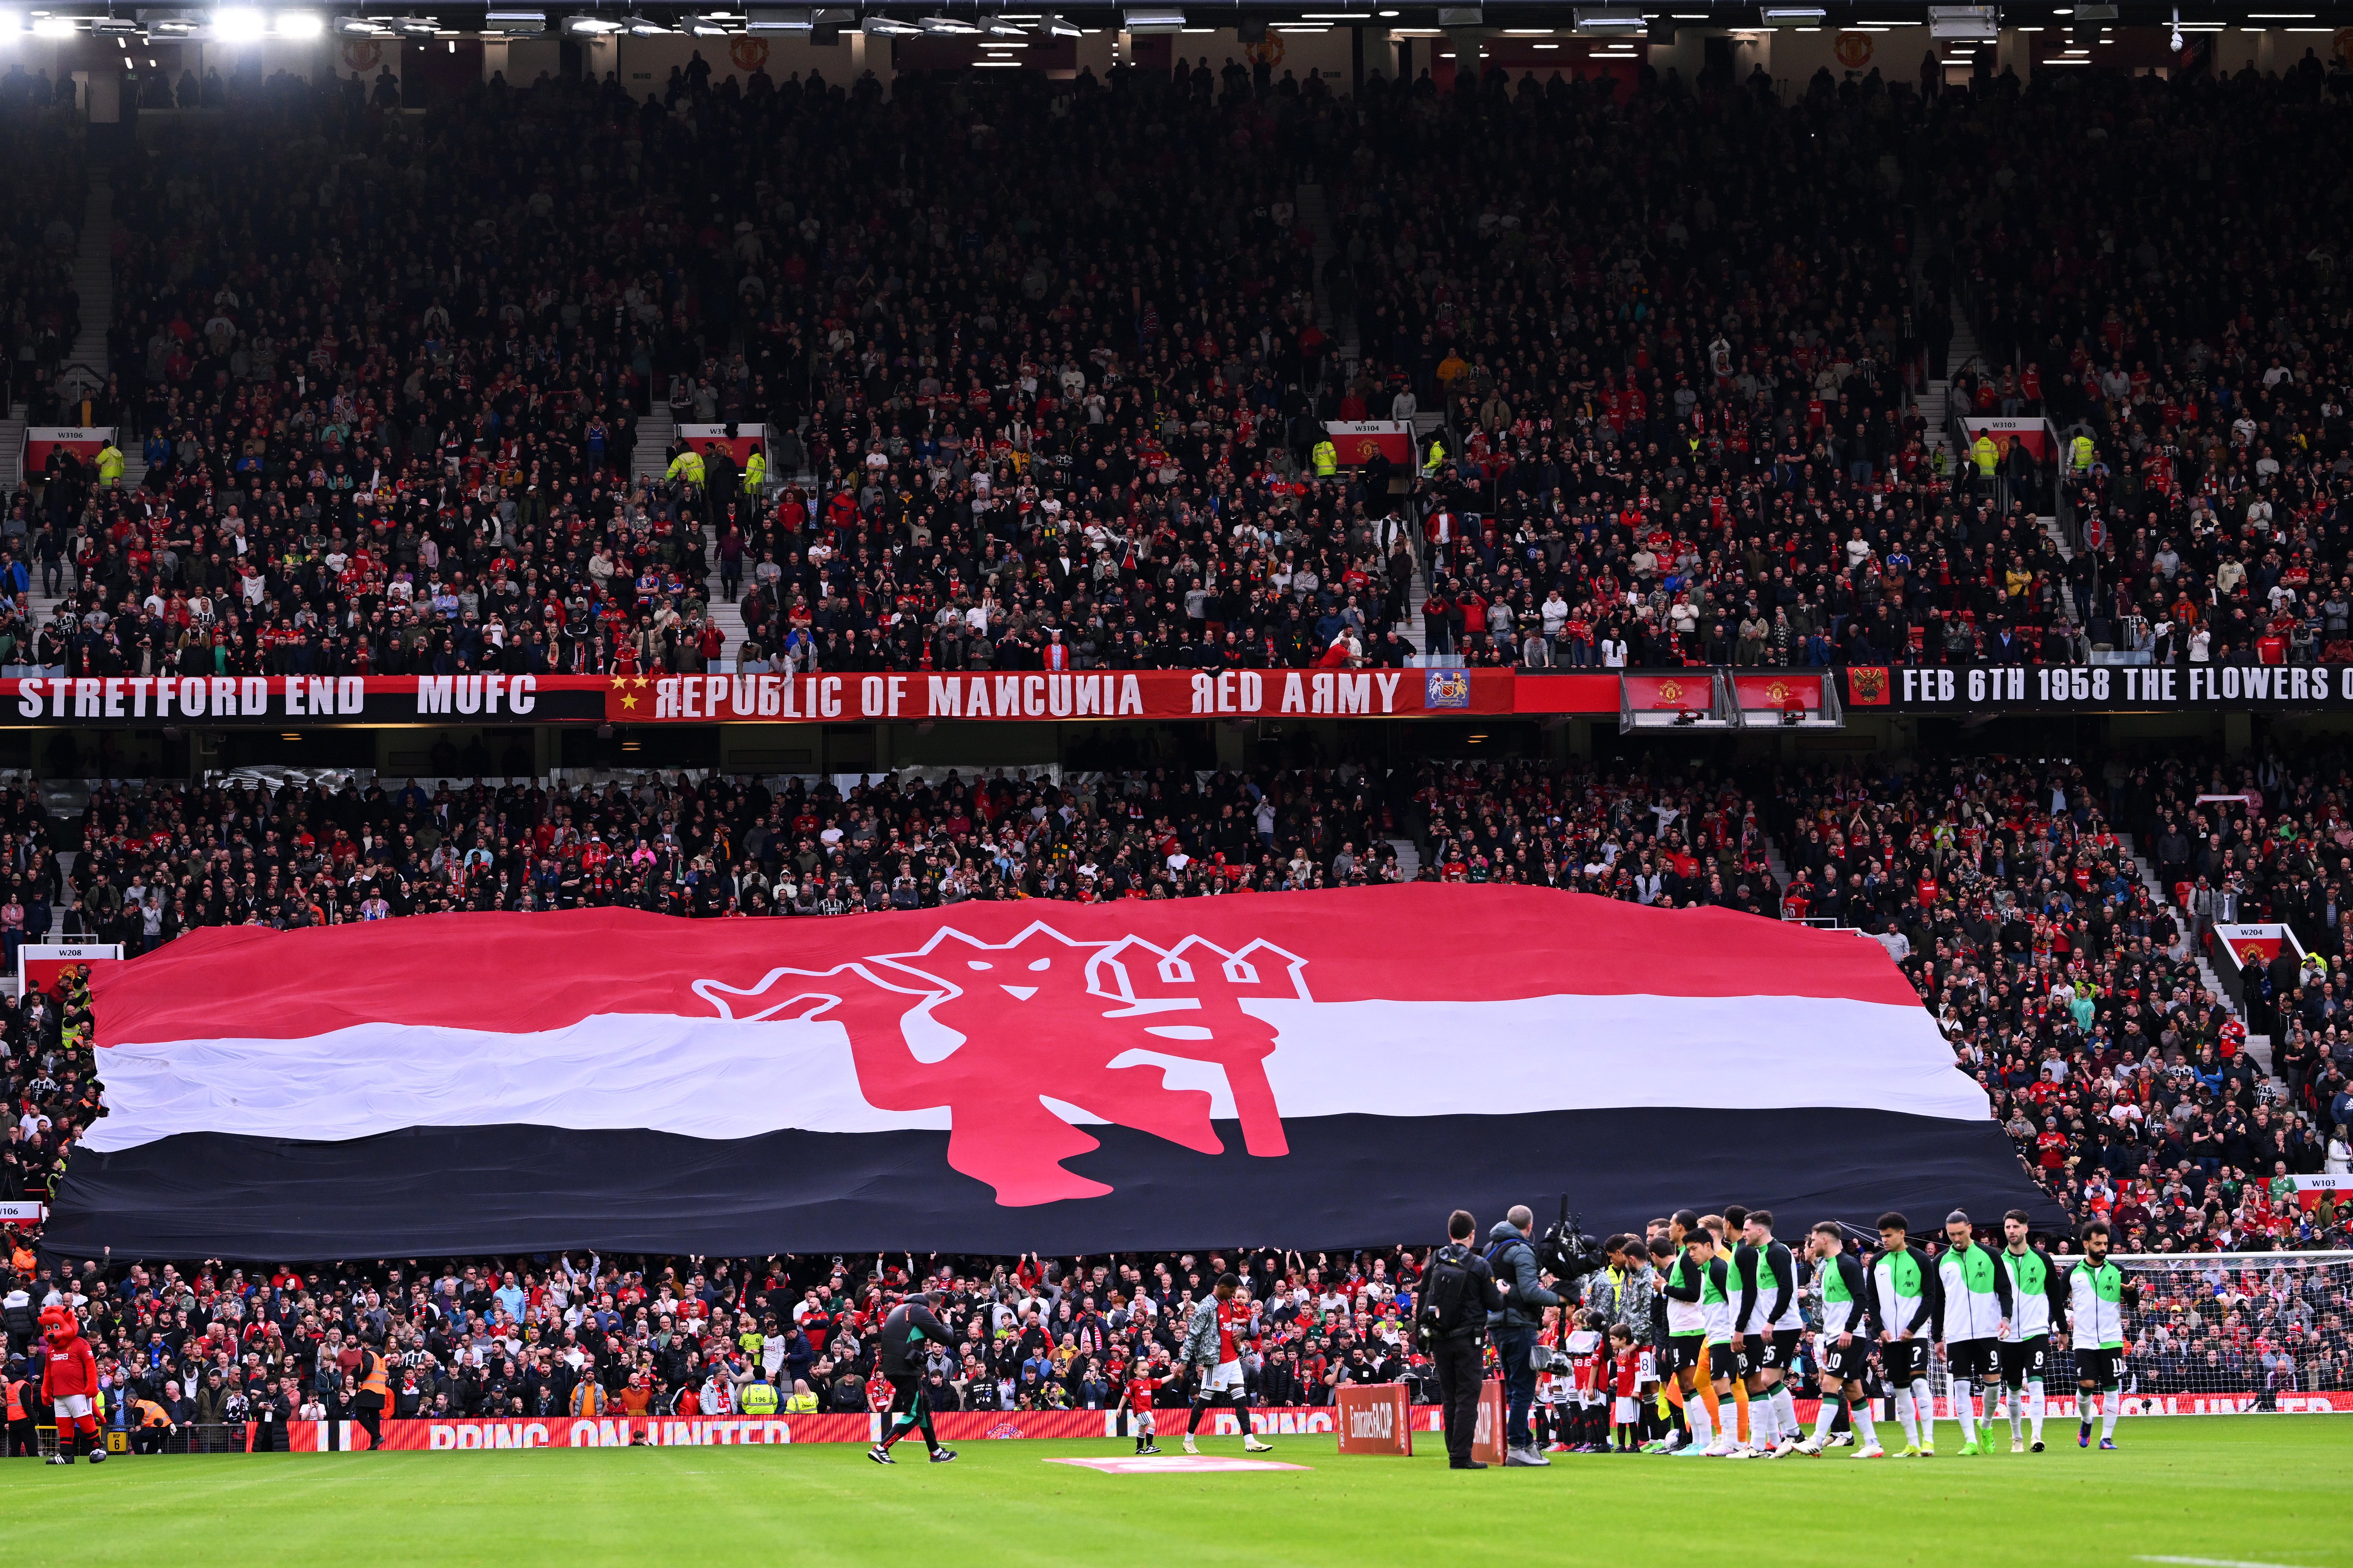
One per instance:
[(2213, 1563)]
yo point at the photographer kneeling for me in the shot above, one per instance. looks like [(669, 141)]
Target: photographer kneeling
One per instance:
[(1457, 1293), (1513, 1324)]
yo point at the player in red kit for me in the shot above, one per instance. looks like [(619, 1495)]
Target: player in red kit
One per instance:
[(1136, 1396), (70, 1385), (1214, 1338)]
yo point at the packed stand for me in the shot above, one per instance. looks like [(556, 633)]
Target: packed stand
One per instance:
[(2059, 979), (43, 193), (2210, 383), (375, 465), (1677, 429), (213, 1347), (2071, 987), (2068, 987), (189, 1356), (1679, 425)]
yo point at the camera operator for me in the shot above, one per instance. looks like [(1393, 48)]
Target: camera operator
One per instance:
[(1458, 1292), (1513, 1324)]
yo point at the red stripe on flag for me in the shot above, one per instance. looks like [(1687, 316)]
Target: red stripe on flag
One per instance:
[(518, 972)]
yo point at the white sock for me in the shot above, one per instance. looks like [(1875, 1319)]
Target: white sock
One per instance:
[(1825, 1417), (1925, 1404), (2112, 1405), (1763, 1422), (1861, 1411), (1702, 1430), (1785, 1410), (1963, 1411), (2034, 1409), (2086, 1402), (1908, 1416), (2015, 1398)]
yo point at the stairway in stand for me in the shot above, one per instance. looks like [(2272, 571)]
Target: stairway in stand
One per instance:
[(87, 363), (727, 618), (655, 431), (1315, 212)]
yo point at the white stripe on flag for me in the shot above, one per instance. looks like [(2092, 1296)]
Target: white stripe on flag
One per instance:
[(731, 1078)]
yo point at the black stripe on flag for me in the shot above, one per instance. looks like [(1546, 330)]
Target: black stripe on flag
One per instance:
[(1347, 1182)]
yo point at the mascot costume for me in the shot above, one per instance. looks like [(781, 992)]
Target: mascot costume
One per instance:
[(69, 1385)]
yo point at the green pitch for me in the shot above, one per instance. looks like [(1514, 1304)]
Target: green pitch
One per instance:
[(2239, 1490)]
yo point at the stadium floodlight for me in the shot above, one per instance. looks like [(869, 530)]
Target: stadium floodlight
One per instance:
[(299, 25), (888, 27), (1607, 23), (998, 27), (1154, 21), (589, 26), (1963, 24), (500, 19), (779, 19), (949, 27), (113, 27), (645, 28), (359, 28), (1793, 16), (236, 24), (1062, 27), (411, 27)]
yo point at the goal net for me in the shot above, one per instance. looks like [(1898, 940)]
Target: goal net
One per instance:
[(2221, 1331), (2218, 1332)]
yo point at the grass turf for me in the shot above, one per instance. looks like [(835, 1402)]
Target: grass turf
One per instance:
[(2237, 1490)]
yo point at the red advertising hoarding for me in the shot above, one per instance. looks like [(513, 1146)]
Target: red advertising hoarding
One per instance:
[(1375, 1418)]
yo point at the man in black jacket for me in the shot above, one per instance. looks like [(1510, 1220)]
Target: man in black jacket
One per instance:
[(1459, 1290), (910, 1326)]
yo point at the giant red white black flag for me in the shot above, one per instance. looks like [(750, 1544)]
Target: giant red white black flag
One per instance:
[(1315, 1069)]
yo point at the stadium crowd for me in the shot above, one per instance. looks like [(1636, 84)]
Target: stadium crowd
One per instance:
[(1677, 428), (2066, 986), (192, 1353), (2069, 986), (387, 375)]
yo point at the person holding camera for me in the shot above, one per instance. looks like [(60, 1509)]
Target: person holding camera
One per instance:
[(1512, 1326), (1459, 1291)]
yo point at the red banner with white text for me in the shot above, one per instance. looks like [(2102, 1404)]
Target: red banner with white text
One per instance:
[(919, 695), (1355, 442), (669, 1432), (459, 1435)]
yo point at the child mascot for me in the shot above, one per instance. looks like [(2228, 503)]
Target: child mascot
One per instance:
[(70, 1385)]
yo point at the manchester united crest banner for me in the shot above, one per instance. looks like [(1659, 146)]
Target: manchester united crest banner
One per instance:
[(1315, 1069), (1356, 441)]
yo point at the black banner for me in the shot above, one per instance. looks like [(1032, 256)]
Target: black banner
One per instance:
[(1978, 690), (300, 702)]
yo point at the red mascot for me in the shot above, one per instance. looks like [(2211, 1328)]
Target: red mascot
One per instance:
[(70, 1385)]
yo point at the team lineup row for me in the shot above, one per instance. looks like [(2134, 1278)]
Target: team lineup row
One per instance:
[(1705, 1313), (1999, 1312)]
